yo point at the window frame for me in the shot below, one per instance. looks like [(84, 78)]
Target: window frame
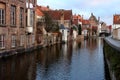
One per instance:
[(2, 41), (13, 41), (13, 15)]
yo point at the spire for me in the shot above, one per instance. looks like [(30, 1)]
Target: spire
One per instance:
[(91, 14), (98, 19)]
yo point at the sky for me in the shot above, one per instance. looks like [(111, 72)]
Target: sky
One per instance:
[(105, 9)]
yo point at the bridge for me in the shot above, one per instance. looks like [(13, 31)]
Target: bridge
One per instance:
[(104, 33)]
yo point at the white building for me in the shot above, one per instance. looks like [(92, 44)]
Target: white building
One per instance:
[(116, 26), (64, 32)]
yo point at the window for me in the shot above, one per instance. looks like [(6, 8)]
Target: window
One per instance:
[(2, 16), (21, 40), (13, 15), (13, 43), (31, 17), (33, 39), (28, 40), (21, 17), (2, 41), (2, 13)]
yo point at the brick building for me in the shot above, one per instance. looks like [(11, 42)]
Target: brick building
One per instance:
[(94, 22), (30, 23), (14, 23)]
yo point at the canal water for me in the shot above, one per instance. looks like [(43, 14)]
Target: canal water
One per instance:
[(81, 60)]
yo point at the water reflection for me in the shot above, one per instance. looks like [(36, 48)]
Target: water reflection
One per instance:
[(71, 61), (18, 68)]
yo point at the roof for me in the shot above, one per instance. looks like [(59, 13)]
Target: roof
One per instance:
[(62, 27), (39, 12), (85, 22), (94, 18), (40, 9), (77, 18), (43, 8), (116, 19), (56, 14)]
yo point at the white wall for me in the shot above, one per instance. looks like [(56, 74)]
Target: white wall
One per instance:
[(64, 34), (116, 33), (116, 26), (119, 33), (75, 34)]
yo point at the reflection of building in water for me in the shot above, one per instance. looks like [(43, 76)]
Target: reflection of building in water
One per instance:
[(64, 47), (91, 44), (67, 50), (48, 58), (18, 68)]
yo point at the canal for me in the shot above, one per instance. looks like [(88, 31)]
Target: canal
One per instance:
[(82, 60)]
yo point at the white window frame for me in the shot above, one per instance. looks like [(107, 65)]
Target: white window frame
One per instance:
[(13, 41), (2, 41), (2, 16), (31, 17), (13, 15), (22, 40)]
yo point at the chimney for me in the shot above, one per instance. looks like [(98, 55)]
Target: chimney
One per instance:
[(47, 6), (62, 17), (98, 19), (91, 14)]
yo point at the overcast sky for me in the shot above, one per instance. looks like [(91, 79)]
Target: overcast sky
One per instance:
[(100, 8)]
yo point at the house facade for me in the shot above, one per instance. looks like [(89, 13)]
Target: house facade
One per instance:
[(14, 25), (94, 23), (40, 27), (45, 37), (64, 18), (77, 19), (64, 32), (86, 30), (61, 17), (116, 26), (30, 23)]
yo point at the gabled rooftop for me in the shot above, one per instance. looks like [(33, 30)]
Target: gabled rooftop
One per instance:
[(56, 14), (116, 19)]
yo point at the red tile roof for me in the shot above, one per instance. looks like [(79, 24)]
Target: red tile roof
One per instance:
[(85, 22), (56, 14), (116, 19), (39, 13), (40, 10), (76, 19), (43, 8)]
